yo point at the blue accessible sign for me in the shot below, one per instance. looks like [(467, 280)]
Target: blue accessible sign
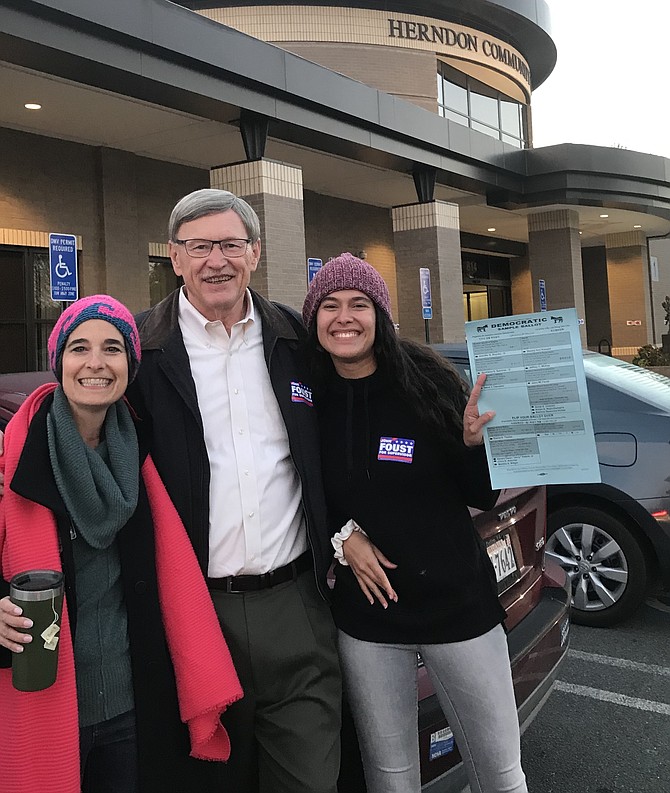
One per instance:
[(63, 267), (543, 294), (426, 298), (313, 267)]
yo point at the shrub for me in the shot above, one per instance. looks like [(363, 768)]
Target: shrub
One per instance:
[(651, 356)]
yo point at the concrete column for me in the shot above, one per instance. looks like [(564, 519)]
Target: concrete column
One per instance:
[(428, 235), (274, 190), (555, 256), (628, 279), (522, 286), (123, 245)]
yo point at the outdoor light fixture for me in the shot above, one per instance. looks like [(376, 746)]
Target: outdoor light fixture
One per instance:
[(637, 226), (604, 216), (492, 229), (32, 106)]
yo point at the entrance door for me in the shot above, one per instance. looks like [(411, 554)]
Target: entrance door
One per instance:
[(27, 313), (482, 302)]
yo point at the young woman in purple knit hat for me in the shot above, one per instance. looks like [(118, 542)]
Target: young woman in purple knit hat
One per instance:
[(402, 461), (82, 497)]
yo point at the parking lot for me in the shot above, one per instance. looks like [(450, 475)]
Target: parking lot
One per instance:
[(606, 726)]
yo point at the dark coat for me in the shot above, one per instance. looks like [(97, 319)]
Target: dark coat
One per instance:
[(164, 395), (162, 738)]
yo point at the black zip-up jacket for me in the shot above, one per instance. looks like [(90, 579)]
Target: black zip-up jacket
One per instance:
[(164, 394)]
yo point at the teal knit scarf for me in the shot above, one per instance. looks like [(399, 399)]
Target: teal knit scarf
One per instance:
[(99, 486)]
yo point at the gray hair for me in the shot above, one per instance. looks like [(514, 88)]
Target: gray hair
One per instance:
[(210, 202)]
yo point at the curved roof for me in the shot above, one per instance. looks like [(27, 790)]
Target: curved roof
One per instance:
[(525, 24)]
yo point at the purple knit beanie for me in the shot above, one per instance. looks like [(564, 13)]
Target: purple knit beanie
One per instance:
[(345, 272), (95, 307)]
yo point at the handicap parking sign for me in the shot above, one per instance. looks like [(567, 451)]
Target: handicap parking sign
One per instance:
[(63, 267)]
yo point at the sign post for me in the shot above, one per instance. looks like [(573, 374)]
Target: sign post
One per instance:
[(63, 267), (426, 299), (313, 267), (543, 294)]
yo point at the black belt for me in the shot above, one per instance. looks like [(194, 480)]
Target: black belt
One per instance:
[(251, 583)]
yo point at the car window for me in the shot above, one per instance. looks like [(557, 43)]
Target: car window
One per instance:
[(634, 381)]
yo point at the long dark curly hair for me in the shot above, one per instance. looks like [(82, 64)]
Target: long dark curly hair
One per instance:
[(427, 381)]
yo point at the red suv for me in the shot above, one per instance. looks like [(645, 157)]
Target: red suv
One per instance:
[(532, 589)]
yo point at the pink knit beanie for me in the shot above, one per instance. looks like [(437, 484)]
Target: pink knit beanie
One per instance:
[(345, 272), (95, 307)]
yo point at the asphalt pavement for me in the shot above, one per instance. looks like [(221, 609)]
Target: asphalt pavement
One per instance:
[(606, 726)]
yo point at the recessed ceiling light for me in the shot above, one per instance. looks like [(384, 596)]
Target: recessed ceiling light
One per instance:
[(491, 229), (604, 216), (32, 106), (637, 226), (581, 232)]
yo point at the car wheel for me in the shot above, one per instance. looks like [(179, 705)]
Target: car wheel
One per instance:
[(606, 566)]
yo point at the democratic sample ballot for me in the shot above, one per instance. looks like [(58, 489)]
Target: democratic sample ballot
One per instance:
[(542, 433)]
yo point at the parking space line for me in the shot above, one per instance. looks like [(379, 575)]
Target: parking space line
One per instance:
[(613, 697), (622, 663)]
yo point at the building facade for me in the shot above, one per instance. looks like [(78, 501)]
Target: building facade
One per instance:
[(399, 131)]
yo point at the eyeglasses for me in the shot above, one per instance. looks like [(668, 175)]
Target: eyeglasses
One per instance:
[(199, 249)]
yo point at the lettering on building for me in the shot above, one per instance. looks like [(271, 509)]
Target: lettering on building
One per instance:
[(448, 37)]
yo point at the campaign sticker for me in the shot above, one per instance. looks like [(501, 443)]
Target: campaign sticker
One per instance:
[(301, 393), (441, 743), (396, 450)]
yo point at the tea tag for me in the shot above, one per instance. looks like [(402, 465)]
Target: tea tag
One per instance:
[(49, 633), (51, 644)]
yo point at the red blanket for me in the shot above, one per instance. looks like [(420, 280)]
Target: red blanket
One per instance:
[(39, 732)]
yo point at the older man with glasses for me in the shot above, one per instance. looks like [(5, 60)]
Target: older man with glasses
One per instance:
[(234, 435)]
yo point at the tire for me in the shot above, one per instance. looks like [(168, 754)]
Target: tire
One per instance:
[(605, 589)]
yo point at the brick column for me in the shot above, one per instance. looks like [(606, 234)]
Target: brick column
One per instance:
[(123, 246), (274, 190), (628, 280), (555, 255), (428, 235)]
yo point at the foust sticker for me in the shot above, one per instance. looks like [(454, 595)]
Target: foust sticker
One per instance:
[(441, 743), (301, 393), (396, 450)]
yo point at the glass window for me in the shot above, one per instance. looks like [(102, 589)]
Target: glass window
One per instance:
[(510, 118), (457, 117), (162, 280), (455, 97), (45, 307), (512, 141), (484, 109), (486, 130), (474, 104)]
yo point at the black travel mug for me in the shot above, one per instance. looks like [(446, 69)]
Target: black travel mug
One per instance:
[(40, 594)]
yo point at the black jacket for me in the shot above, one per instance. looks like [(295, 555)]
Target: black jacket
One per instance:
[(164, 395), (162, 739)]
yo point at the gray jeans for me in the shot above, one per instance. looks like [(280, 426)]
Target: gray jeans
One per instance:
[(473, 682)]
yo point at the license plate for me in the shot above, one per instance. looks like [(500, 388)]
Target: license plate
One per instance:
[(501, 554)]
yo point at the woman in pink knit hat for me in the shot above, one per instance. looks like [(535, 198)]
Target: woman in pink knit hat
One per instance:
[(82, 497), (403, 459)]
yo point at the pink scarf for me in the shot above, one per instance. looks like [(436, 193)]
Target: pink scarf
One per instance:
[(39, 731)]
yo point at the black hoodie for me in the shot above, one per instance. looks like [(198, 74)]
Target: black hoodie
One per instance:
[(409, 490)]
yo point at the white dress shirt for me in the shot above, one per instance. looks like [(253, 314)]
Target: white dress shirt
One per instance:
[(256, 518)]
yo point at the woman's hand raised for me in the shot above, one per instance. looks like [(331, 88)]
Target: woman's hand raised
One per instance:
[(473, 422)]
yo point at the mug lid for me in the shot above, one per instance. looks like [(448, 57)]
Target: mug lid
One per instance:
[(35, 581)]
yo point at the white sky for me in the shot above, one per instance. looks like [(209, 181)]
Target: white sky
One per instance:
[(610, 86)]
